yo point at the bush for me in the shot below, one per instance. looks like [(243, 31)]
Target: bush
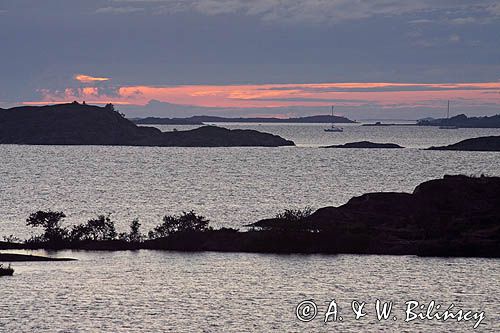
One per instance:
[(288, 220), (295, 215), (12, 239), (98, 229), (186, 222)]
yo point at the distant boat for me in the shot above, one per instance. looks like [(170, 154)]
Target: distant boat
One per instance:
[(6, 271), (447, 124), (333, 128)]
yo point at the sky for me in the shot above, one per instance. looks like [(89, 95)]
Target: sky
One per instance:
[(377, 59)]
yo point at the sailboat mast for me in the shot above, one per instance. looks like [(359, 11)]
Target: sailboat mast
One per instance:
[(448, 112), (332, 116)]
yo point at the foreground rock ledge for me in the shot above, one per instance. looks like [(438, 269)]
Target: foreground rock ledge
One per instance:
[(81, 124)]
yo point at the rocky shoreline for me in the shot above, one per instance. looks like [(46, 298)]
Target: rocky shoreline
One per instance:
[(485, 143), (456, 216)]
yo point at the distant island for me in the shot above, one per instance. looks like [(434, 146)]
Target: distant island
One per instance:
[(462, 121), (165, 121), (380, 124), (82, 124), (485, 143), (198, 120), (366, 144), (453, 216), (377, 124)]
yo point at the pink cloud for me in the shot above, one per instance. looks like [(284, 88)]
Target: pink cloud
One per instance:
[(90, 79), (384, 94)]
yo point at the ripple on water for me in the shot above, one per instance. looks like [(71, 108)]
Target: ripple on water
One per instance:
[(231, 186), (146, 291)]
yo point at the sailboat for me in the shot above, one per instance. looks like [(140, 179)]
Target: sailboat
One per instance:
[(333, 128), (447, 123)]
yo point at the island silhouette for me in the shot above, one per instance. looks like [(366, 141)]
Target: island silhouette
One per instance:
[(366, 144), (82, 124), (484, 143), (453, 216), (198, 120)]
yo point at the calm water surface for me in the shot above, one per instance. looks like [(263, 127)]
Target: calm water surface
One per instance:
[(151, 291), (231, 186)]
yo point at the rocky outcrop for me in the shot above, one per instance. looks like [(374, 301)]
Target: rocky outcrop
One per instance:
[(213, 136), (80, 124), (366, 144), (453, 216), (485, 143)]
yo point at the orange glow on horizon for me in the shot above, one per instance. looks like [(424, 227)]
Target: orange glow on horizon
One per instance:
[(383, 94), (35, 103)]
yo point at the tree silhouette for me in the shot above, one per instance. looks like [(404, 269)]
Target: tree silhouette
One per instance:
[(186, 222), (51, 223), (100, 228), (134, 235)]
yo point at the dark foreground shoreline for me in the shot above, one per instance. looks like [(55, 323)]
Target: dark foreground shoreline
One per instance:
[(275, 243), (457, 216)]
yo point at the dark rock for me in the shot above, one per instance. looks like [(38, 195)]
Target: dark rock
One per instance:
[(213, 136), (80, 124), (453, 216), (366, 144), (485, 143)]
